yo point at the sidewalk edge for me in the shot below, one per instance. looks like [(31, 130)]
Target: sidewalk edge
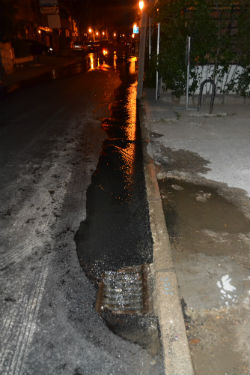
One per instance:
[(44, 69), (175, 348)]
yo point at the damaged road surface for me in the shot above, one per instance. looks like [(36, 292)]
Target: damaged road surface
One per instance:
[(50, 142), (116, 232)]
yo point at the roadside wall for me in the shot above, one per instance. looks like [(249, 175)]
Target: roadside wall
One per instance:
[(227, 79), (7, 57)]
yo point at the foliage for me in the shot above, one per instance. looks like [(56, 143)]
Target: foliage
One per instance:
[(219, 31), (243, 39), (243, 86)]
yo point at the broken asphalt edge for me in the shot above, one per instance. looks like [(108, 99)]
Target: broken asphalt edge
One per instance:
[(167, 305)]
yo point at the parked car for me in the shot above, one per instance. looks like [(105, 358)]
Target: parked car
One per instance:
[(93, 46), (37, 48), (26, 47), (78, 46)]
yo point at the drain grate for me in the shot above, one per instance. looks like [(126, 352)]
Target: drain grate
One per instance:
[(126, 291), (124, 301)]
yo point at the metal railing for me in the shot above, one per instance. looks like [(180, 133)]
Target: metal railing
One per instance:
[(211, 81)]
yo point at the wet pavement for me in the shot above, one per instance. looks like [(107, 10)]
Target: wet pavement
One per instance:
[(50, 147), (116, 232), (83, 64), (203, 173), (210, 247)]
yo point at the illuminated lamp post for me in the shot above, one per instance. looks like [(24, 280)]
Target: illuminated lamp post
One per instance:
[(141, 49), (141, 5), (90, 31)]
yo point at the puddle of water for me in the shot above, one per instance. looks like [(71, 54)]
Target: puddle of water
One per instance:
[(194, 208), (210, 247), (227, 290), (206, 232), (117, 232)]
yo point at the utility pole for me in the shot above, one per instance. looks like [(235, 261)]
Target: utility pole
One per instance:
[(157, 53), (149, 37), (188, 69), (143, 30)]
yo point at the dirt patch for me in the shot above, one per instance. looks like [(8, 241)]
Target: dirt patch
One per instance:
[(210, 244), (182, 160), (218, 341)]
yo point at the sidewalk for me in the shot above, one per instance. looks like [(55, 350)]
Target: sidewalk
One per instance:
[(221, 139), (202, 165), (41, 66)]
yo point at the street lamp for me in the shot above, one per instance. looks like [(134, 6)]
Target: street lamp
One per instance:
[(90, 31), (141, 5), (141, 50)]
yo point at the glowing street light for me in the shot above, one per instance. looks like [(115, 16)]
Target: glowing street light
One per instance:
[(97, 33), (114, 35), (90, 30), (135, 28), (141, 4), (141, 50)]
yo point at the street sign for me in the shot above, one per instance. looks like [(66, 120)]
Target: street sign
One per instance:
[(135, 29), (48, 3), (49, 10), (49, 6)]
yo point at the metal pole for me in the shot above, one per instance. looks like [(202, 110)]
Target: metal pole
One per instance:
[(188, 69), (157, 84), (141, 54), (157, 53), (149, 37)]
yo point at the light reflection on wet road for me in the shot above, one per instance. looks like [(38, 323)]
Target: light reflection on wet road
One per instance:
[(50, 141), (89, 62), (116, 232)]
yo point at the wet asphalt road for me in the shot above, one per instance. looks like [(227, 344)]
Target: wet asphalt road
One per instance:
[(116, 232), (50, 142)]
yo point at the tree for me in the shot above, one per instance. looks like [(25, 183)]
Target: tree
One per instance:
[(217, 29), (243, 40)]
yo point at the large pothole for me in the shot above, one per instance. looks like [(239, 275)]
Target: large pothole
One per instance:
[(115, 238)]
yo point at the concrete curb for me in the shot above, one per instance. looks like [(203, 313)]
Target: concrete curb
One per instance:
[(176, 354)]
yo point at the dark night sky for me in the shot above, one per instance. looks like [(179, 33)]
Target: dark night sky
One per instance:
[(112, 12)]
